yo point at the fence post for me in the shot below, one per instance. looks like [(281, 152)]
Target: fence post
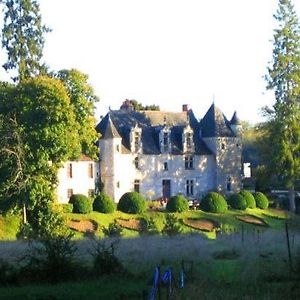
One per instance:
[(288, 245), (158, 284)]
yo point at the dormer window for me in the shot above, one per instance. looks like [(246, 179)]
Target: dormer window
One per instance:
[(135, 139), (136, 162), (166, 141), (164, 138), (187, 139)]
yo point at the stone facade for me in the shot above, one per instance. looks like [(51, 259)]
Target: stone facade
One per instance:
[(161, 154), (77, 177)]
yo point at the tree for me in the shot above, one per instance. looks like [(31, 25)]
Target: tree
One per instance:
[(23, 38), (83, 100), (283, 126), (139, 106), (38, 132)]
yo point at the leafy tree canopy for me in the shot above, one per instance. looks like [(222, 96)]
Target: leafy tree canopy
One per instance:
[(23, 38)]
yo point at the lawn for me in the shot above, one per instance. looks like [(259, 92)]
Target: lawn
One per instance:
[(245, 261)]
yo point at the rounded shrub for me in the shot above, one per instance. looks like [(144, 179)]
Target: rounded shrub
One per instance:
[(213, 202), (132, 203), (81, 204), (261, 200), (104, 204), (237, 201), (249, 198), (177, 203)]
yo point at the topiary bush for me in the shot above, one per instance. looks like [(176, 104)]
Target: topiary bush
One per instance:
[(81, 204), (237, 201), (104, 204), (177, 203), (249, 198), (132, 203), (261, 200), (214, 202)]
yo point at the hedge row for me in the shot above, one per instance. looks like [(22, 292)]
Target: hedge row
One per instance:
[(134, 203)]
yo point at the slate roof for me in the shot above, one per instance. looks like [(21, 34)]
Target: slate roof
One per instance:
[(215, 124), (235, 120), (118, 123)]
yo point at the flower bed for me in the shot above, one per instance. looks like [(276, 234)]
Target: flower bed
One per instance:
[(133, 224), (83, 225), (201, 224), (252, 220)]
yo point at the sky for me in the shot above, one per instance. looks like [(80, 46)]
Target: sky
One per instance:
[(166, 52)]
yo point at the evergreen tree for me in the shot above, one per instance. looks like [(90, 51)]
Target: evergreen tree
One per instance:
[(283, 127), (23, 38)]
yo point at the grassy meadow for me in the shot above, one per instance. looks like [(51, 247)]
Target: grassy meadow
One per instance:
[(242, 261)]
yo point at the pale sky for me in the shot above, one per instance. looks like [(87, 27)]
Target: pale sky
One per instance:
[(166, 52)]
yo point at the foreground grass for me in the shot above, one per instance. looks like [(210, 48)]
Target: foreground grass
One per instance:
[(231, 267)]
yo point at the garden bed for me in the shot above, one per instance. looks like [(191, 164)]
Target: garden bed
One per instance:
[(201, 224), (132, 224), (82, 225), (252, 220)]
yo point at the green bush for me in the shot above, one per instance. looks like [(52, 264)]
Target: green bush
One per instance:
[(171, 225), (177, 203), (67, 207), (261, 200), (132, 203), (113, 230), (81, 204), (237, 201), (249, 198), (214, 202), (104, 204)]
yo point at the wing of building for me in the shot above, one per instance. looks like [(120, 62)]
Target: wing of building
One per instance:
[(161, 154)]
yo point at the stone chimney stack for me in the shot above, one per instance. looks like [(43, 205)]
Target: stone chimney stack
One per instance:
[(185, 107)]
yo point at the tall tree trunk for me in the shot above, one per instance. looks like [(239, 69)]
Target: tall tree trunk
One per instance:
[(292, 205), (24, 214)]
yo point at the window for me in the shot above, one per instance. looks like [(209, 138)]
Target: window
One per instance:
[(136, 185), (70, 171), (118, 148), (91, 193), (136, 141), (190, 187), (69, 193), (166, 141), (91, 170), (189, 140), (228, 185), (223, 146), (166, 166), (189, 162), (118, 184), (136, 162)]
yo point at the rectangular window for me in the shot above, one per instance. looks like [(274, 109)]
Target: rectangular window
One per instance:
[(118, 184), (189, 162), (136, 185), (166, 166), (91, 193), (70, 170), (118, 148), (69, 193), (136, 141), (166, 141), (188, 140), (190, 187), (136, 162), (91, 170)]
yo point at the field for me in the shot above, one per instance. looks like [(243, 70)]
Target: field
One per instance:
[(246, 261)]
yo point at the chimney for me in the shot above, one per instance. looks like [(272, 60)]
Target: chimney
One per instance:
[(185, 107)]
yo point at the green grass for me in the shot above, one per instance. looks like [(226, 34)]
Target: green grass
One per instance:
[(9, 227)]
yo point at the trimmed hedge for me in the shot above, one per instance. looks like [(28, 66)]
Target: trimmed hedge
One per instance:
[(249, 198), (104, 204), (214, 202), (132, 203), (67, 207), (261, 200), (177, 203), (237, 201), (81, 204)]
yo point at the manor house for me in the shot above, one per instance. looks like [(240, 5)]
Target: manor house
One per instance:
[(161, 154)]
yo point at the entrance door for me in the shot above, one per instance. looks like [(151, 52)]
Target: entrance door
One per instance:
[(166, 189)]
